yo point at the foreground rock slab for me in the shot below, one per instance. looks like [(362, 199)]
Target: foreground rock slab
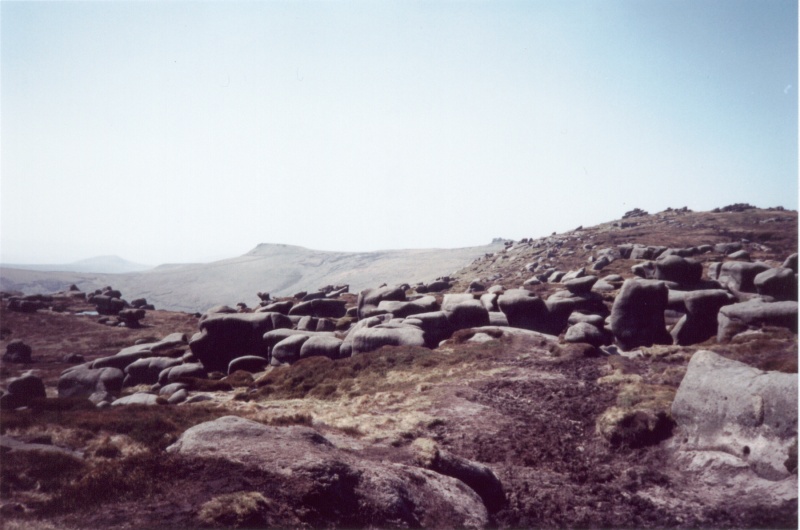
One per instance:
[(739, 410), (340, 487)]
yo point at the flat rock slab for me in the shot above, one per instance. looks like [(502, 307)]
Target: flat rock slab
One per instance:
[(349, 491)]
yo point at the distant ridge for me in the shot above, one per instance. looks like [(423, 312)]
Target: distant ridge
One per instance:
[(278, 269), (97, 264)]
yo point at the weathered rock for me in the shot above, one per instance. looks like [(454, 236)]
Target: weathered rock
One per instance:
[(22, 391), (170, 375), (740, 255), (179, 396), (791, 263), (735, 318), (585, 332), (168, 390), (373, 297), (372, 338), (524, 309), (325, 325), (307, 323), (321, 345), (740, 275), (727, 248), (597, 321), (437, 286), (425, 304), (572, 275), (342, 489), (139, 398), (477, 476), (321, 308), (646, 270), (131, 317), (248, 363), (108, 305), (277, 307), (637, 316), (780, 283), (731, 407), (224, 337), (82, 381), (700, 321), (146, 371), (489, 301), (287, 350), (17, 352), (434, 325), (581, 285), (123, 358), (464, 311), (677, 269)]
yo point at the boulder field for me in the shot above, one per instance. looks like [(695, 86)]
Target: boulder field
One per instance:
[(554, 396)]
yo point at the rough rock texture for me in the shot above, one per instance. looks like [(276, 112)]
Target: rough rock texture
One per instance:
[(637, 316), (224, 337), (464, 311), (370, 339), (780, 283), (17, 352), (739, 317), (700, 321), (345, 490), (82, 381), (524, 309), (739, 275), (731, 407)]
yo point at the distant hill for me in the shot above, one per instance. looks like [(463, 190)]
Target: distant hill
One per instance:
[(99, 264), (273, 268)]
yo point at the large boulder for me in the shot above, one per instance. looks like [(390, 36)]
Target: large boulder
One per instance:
[(224, 337), (738, 275), (287, 351), (585, 332), (740, 410), (637, 316), (248, 363), (370, 298), (339, 487), (677, 269), (700, 321), (22, 390), (464, 311), (181, 371), (320, 308), (321, 345), (83, 381), (17, 352), (780, 283), (146, 371), (425, 304), (434, 325), (735, 318), (524, 309), (369, 339)]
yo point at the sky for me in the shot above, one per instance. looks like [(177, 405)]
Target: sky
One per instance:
[(167, 132)]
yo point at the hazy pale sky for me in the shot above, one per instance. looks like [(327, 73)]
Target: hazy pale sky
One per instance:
[(182, 131)]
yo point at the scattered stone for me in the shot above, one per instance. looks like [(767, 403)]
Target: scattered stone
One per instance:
[(17, 352)]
